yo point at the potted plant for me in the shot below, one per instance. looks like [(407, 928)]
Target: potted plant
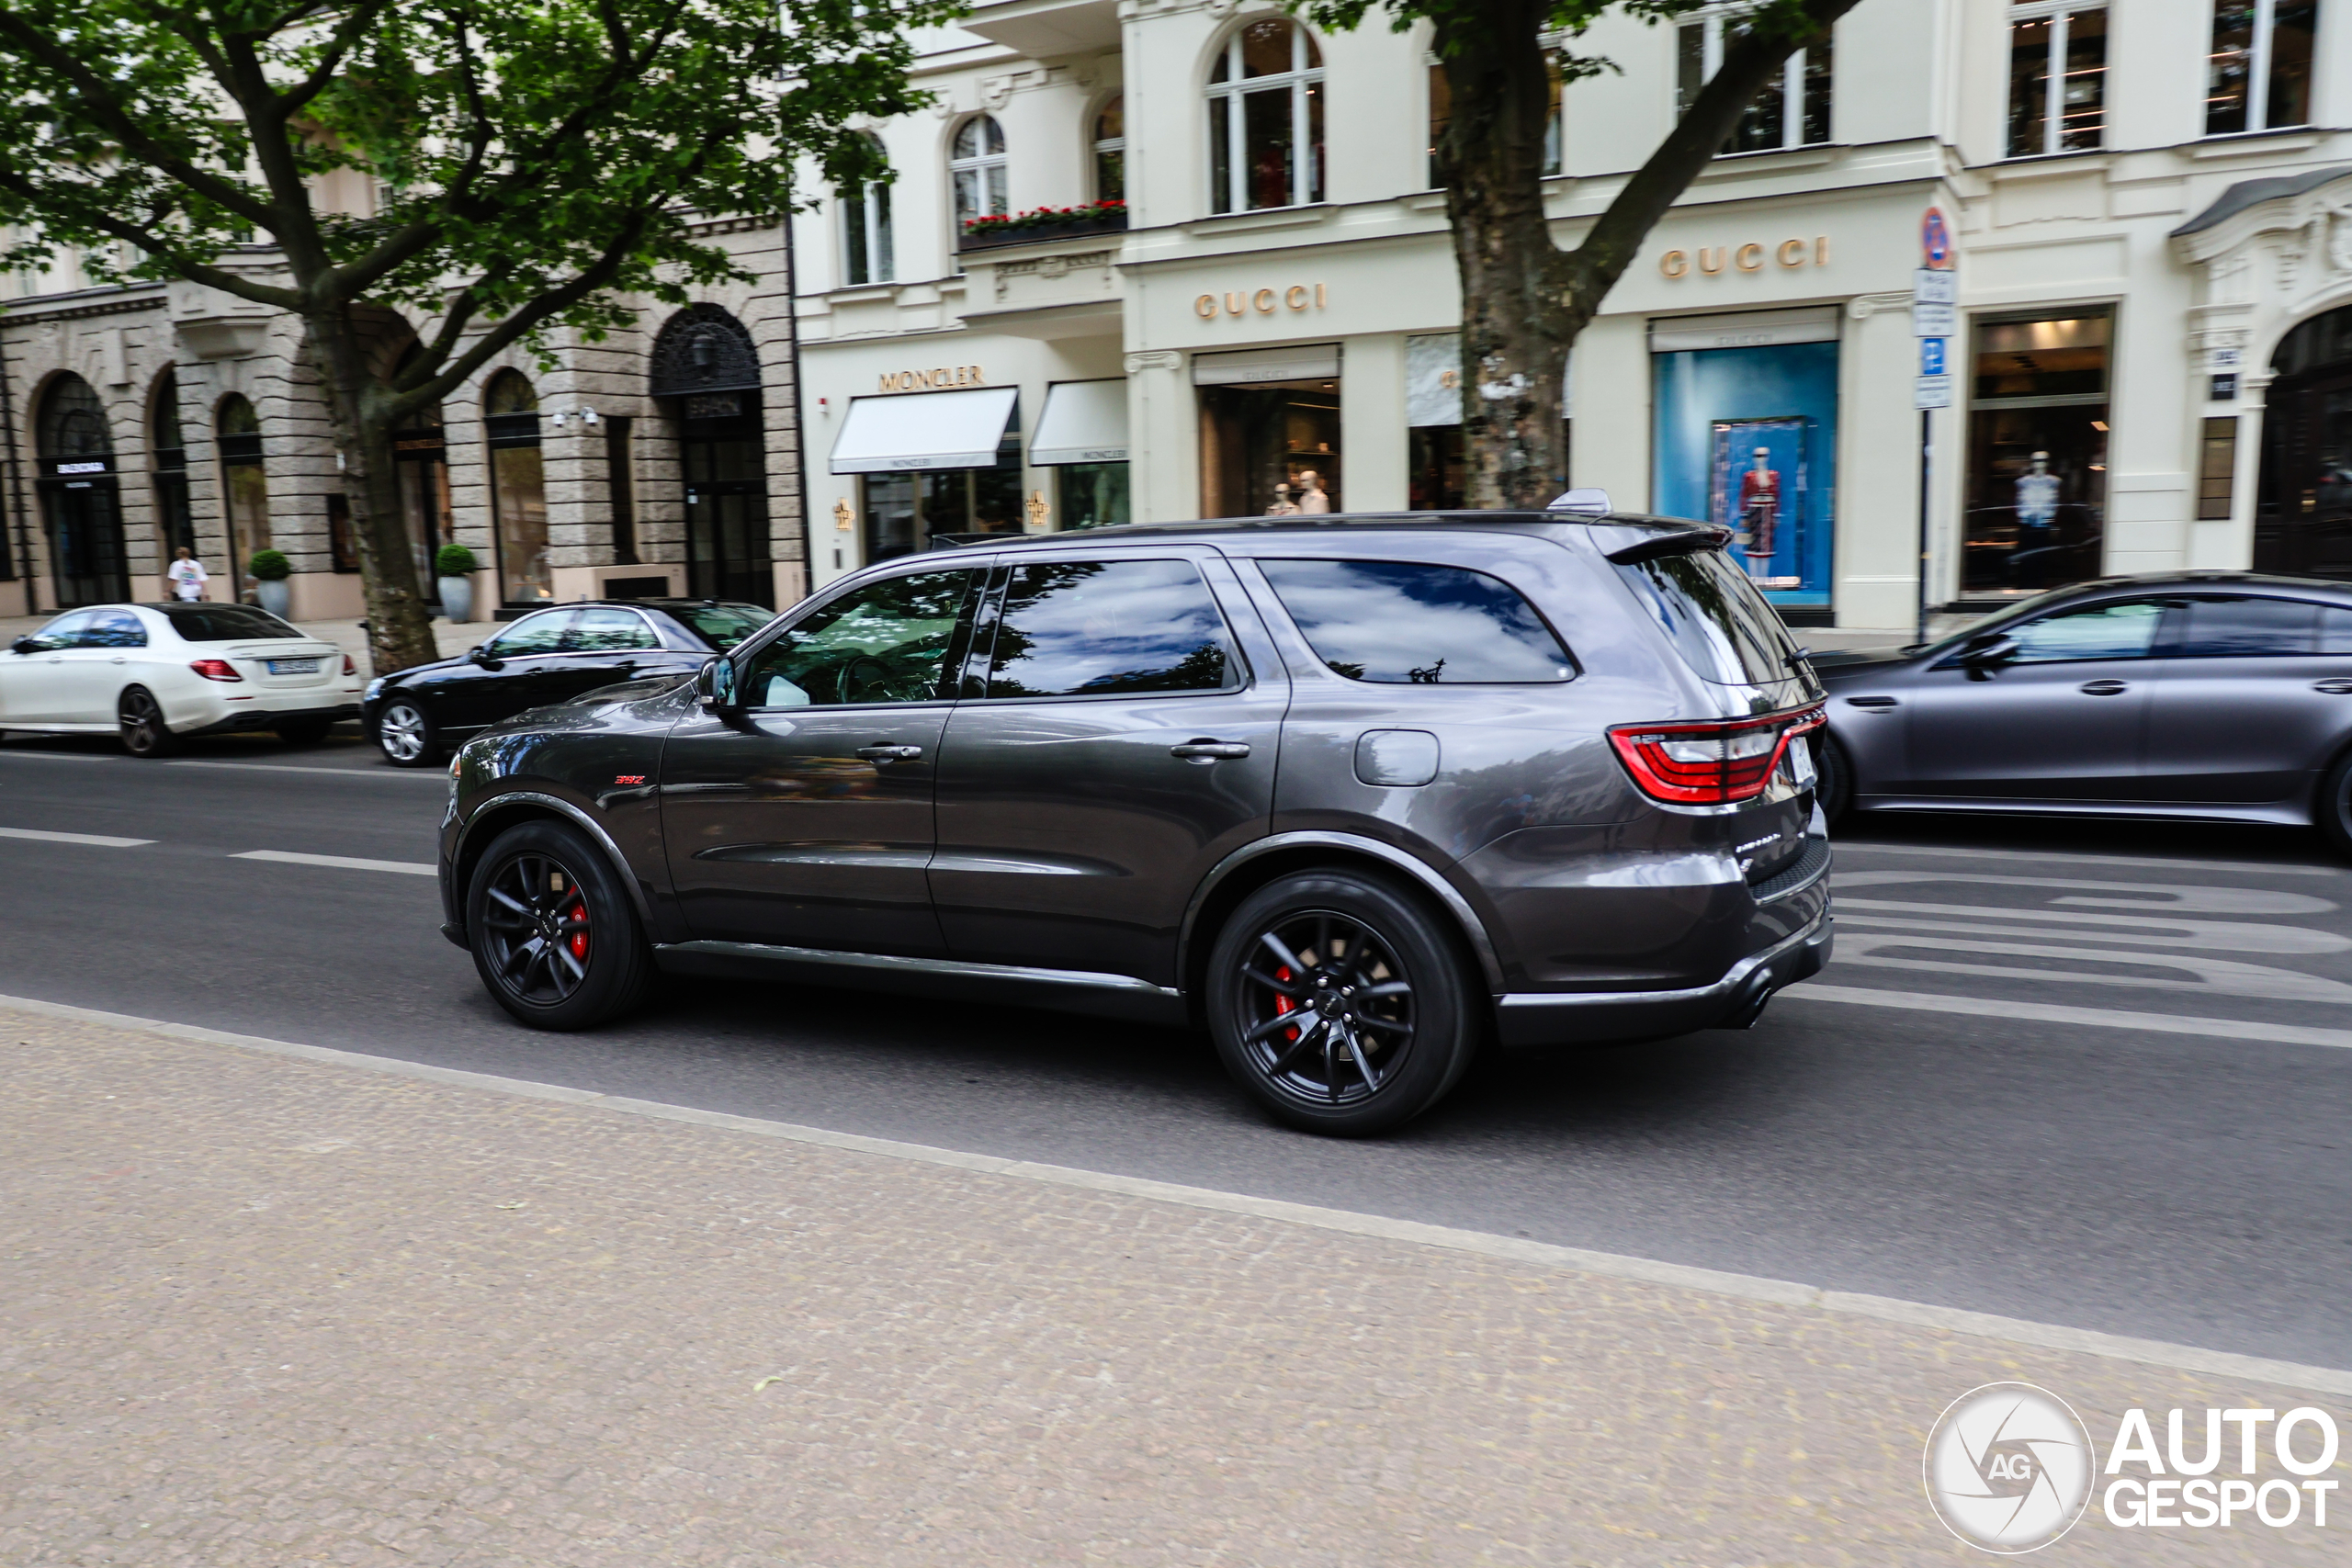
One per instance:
[(269, 569), (1043, 223), (454, 564)]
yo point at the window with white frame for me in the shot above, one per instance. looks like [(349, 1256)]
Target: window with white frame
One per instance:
[(2057, 79), (1441, 116), (1792, 110), (1265, 101), (976, 168), (2259, 73), (864, 210), (1111, 151)]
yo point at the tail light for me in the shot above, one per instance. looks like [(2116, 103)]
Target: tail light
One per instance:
[(350, 671), (1713, 763), (216, 669)]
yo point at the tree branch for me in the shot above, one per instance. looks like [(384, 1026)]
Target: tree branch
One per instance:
[(160, 247), (361, 18)]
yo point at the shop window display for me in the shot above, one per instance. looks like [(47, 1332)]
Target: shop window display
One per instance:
[(1271, 450), (2037, 455), (1092, 495), (904, 512)]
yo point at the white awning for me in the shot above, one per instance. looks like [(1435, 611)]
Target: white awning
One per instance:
[(1084, 422), (1747, 329), (924, 430), (1301, 362)]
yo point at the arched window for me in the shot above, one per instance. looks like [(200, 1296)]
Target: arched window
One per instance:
[(1266, 118), (976, 168), (78, 495), (1111, 151), (244, 484), (518, 488), (175, 518), (864, 207)]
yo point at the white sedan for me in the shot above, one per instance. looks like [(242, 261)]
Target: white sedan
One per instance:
[(153, 673)]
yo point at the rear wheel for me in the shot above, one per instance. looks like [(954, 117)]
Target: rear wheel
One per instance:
[(304, 731), (1340, 1002), (1833, 790), (2333, 811), (405, 735), (141, 719), (553, 932)]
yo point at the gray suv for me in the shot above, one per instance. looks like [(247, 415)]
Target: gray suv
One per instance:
[(1356, 793)]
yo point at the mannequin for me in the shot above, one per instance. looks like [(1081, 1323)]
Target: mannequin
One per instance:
[(1283, 506), (2037, 502), (1759, 510), (1310, 492)]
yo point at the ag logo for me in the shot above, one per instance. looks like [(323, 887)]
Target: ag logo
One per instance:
[(2008, 1468)]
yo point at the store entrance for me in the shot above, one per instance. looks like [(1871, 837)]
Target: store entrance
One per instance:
[(2302, 520), (78, 498), (1271, 450), (719, 447)]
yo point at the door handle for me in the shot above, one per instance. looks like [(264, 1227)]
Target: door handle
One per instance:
[(2105, 688), (879, 754), (2334, 688), (117, 659), (1872, 703), (1211, 751)]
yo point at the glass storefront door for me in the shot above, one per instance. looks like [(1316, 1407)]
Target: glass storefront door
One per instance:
[(904, 512), (2037, 454), (721, 445), (423, 469), (1271, 449)]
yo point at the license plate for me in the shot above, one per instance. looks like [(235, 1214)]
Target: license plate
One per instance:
[(1800, 761), (293, 666)]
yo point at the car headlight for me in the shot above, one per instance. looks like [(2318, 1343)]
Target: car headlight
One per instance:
[(375, 690)]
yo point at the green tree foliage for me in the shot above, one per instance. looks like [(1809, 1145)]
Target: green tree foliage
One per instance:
[(1524, 299), (531, 163)]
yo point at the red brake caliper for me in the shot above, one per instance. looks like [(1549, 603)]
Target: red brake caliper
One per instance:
[(1284, 1004), (579, 912)]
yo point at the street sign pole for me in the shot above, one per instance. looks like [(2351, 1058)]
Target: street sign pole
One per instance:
[(1935, 321), (1927, 456)]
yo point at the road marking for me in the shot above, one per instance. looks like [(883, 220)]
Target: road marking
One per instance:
[(1785, 1293), (346, 862), (2254, 867), (102, 841), (2214, 976), (2052, 1012), (371, 772)]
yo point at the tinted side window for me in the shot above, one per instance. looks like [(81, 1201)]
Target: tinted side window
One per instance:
[(886, 642), (67, 631), (1404, 622), (1725, 630), (601, 631), (2102, 631), (2335, 630), (542, 633), (115, 628), (2238, 629), (1086, 629), (724, 626)]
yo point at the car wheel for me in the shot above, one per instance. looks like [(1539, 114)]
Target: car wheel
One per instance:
[(304, 731), (1832, 789), (405, 735), (553, 932), (2333, 811), (140, 718), (1341, 1003)]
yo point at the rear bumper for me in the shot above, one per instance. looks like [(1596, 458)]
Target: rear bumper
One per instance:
[(257, 717), (1550, 1017)]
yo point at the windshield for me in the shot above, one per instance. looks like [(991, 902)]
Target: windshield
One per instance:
[(225, 623), (1723, 628), (723, 626)]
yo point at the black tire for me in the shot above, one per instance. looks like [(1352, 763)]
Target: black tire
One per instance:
[(554, 935), (2332, 812), (140, 719), (1833, 788), (1392, 1025), (406, 734), (304, 731)]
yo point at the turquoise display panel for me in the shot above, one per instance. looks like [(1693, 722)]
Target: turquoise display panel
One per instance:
[(1715, 408)]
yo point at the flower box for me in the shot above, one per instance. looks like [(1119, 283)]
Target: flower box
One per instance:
[(1043, 226)]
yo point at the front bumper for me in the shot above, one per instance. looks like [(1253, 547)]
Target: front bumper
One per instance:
[(1559, 1017)]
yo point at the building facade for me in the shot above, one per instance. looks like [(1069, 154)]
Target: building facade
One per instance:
[(2149, 206), (142, 419)]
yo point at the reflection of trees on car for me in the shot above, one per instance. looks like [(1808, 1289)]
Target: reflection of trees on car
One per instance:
[(882, 643)]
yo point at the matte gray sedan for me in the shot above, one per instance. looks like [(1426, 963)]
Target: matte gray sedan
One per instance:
[(2202, 695)]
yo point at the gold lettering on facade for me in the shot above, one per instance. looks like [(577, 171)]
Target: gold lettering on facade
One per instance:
[(1821, 250), (1206, 307), (1262, 301), (1675, 264), (1749, 257), (1295, 297), (1320, 298), (944, 377), (1791, 254), (843, 518), (1232, 303), (1714, 265)]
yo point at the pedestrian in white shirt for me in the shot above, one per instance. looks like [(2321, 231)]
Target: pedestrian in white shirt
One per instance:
[(188, 576)]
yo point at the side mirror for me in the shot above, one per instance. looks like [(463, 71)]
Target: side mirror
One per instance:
[(1991, 649), (480, 655), (23, 645), (715, 685)]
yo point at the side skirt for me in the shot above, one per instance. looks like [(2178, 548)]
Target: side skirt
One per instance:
[(1062, 991)]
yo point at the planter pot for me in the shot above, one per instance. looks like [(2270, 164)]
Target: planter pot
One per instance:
[(1043, 233), (457, 599), (274, 596)]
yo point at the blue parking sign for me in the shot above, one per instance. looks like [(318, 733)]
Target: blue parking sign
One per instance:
[(1931, 356)]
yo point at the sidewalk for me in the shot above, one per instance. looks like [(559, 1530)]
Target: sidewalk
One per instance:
[(266, 1310)]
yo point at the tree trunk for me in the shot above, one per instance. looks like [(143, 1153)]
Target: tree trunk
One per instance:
[(1515, 331), (399, 630)]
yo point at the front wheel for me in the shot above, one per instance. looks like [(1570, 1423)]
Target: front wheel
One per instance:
[(553, 932), (1341, 1003), (140, 719), (405, 733)]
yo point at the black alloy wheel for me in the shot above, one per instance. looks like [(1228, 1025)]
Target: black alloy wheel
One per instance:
[(1341, 1003), (2332, 812), (141, 719), (304, 731), (404, 733), (552, 931), (1833, 788)]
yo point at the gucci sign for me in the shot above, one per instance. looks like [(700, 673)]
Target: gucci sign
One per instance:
[(1750, 257), (1264, 301), (933, 380)]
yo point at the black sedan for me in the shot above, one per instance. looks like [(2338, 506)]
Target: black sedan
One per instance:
[(2207, 695), (547, 655)]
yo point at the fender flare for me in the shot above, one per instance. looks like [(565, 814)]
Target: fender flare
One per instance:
[(578, 817)]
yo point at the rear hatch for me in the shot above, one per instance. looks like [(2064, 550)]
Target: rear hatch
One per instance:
[(283, 663)]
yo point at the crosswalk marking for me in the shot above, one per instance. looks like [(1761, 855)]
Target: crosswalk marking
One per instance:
[(100, 841), (2052, 1012), (344, 863)]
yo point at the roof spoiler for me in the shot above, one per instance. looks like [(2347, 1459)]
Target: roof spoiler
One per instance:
[(1651, 541)]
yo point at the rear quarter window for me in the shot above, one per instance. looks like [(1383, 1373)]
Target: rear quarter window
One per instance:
[(1408, 623), (1725, 629), (226, 622)]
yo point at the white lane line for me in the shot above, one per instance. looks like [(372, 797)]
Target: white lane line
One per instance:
[(345, 863), (2258, 867), (375, 772), (2052, 1012), (12, 753), (1752, 1287), (103, 841)]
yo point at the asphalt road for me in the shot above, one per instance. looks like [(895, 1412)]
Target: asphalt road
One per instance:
[(2190, 1187)]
